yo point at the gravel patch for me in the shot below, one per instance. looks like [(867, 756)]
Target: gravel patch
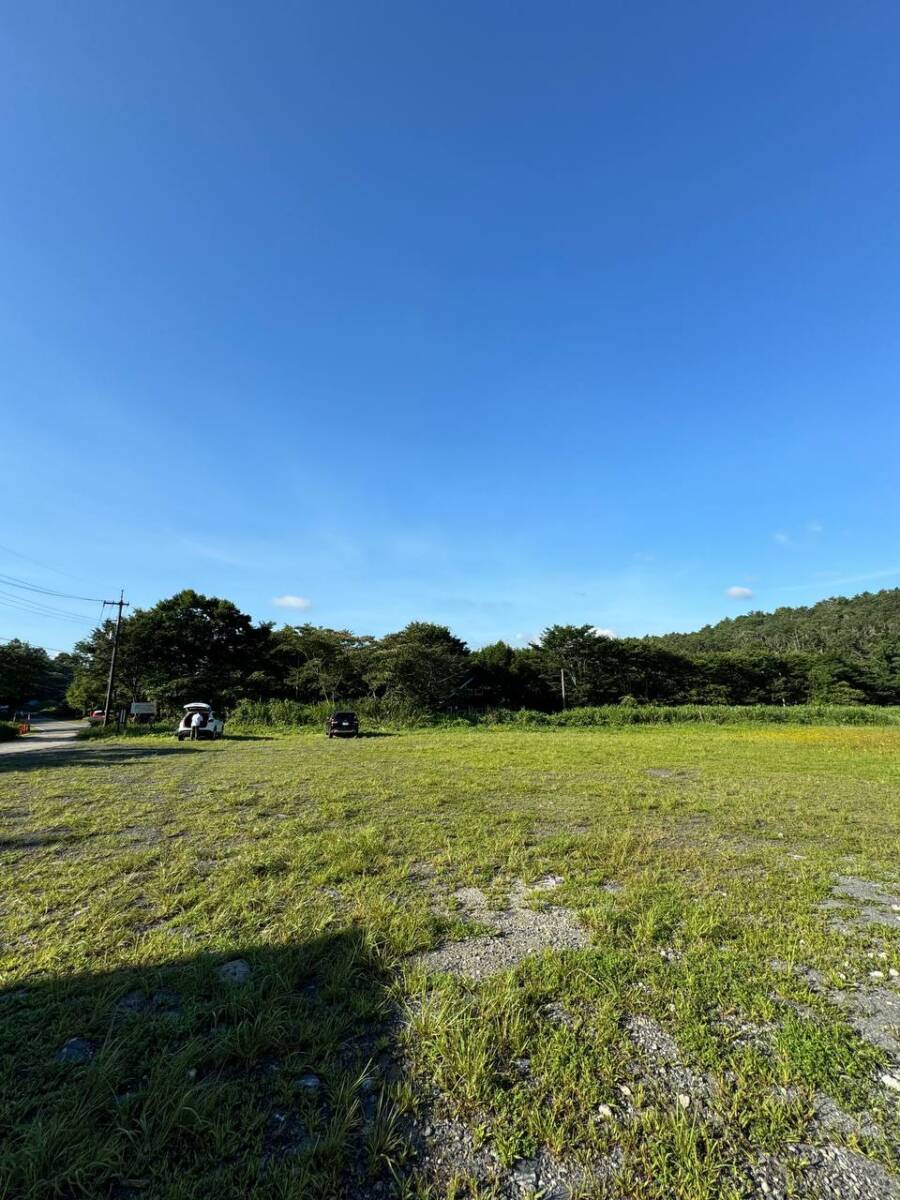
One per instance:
[(875, 905), (660, 1055), (446, 1150), (824, 1173), (517, 931)]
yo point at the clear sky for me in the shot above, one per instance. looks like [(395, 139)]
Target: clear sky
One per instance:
[(491, 314)]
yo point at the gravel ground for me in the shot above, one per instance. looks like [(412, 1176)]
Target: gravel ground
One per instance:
[(517, 932)]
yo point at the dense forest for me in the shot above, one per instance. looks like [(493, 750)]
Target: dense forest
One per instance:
[(841, 651), (853, 629)]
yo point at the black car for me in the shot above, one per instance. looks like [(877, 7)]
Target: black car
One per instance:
[(342, 724)]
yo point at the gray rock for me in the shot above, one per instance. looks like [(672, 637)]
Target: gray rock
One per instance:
[(238, 971), (133, 1002), (525, 1173), (308, 1083), (76, 1050)]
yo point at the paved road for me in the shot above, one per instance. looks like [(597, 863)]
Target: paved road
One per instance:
[(46, 734)]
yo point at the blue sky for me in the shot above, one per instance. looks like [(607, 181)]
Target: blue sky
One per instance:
[(496, 315)]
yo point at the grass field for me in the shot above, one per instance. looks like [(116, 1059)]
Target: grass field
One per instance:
[(222, 966)]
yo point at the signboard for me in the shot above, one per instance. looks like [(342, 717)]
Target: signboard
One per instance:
[(143, 708)]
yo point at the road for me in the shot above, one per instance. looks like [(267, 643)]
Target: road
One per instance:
[(46, 734)]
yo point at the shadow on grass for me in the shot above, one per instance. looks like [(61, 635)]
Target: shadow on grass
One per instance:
[(81, 755), (248, 737), (104, 754), (174, 1081), (33, 841)]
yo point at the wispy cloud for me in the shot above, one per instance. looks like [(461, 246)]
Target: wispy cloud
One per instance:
[(604, 633), (300, 602), (812, 529), (215, 554), (739, 593)]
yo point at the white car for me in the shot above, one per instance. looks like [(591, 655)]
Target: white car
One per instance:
[(210, 725)]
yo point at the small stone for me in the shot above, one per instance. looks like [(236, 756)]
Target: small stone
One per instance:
[(547, 883), (191, 1073), (684, 1100), (893, 972), (237, 971), (605, 1112), (309, 1083), (525, 1172), (624, 1089), (134, 1002), (876, 974), (891, 1081), (76, 1050), (895, 908)]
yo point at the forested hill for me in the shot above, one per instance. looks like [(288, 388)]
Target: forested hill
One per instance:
[(849, 627)]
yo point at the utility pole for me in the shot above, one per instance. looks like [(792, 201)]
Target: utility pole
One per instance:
[(120, 604)]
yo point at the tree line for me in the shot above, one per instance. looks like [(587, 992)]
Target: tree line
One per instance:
[(190, 646), (195, 647)]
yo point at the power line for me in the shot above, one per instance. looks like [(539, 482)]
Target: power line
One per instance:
[(42, 606), (37, 562), (14, 581), (52, 649), (35, 611)]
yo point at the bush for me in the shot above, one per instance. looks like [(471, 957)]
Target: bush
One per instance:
[(290, 714), (97, 732), (711, 714), (8, 732)]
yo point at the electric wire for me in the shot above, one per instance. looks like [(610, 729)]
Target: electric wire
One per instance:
[(14, 581)]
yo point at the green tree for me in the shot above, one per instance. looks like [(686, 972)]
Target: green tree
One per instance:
[(423, 664), (188, 647), (321, 664), (25, 673)]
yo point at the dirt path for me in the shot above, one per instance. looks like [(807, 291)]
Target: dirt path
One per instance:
[(46, 734)]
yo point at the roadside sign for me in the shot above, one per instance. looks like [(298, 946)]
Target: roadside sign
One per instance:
[(143, 708)]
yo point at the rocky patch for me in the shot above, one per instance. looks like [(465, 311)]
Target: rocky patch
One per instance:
[(516, 932)]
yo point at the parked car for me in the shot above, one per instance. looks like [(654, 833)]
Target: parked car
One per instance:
[(342, 724), (96, 717), (210, 727)]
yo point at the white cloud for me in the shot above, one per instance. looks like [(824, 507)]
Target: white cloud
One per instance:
[(529, 639), (292, 602), (607, 633), (782, 538), (739, 593), (815, 527)]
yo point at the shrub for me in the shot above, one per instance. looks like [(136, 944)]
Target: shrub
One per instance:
[(291, 714), (7, 732)]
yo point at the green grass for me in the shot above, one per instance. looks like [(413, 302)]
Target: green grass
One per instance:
[(142, 866)]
